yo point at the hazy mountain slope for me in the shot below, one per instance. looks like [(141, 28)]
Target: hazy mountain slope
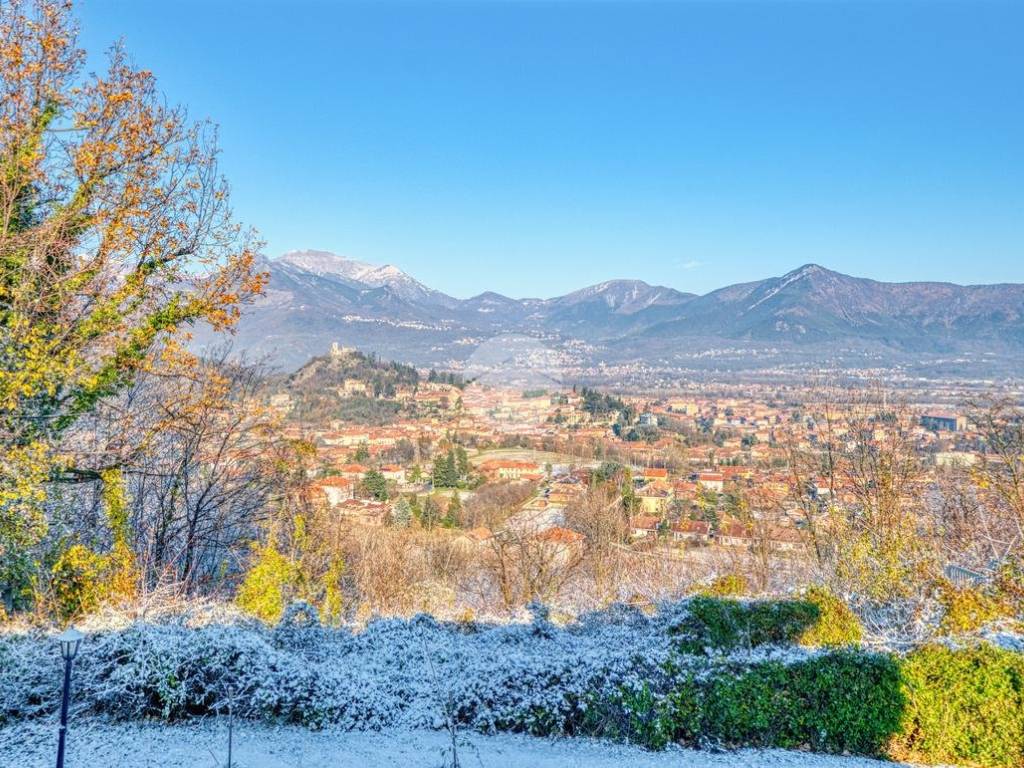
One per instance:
[(813, 305), (612, 308), (364, 275), (316, 297)]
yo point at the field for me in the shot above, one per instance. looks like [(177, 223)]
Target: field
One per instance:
[(526, 454)]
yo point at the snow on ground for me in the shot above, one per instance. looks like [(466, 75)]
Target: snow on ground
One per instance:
[(98, 744)]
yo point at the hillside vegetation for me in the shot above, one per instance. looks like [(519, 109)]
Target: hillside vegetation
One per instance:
[(318, 389)]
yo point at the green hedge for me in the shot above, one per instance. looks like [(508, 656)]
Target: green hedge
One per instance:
[(838, 702), (818, 619), (936, 704), (964, 706), (728, 625)]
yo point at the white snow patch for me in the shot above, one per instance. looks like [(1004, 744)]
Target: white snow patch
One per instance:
[(792, 277), (96, 744)]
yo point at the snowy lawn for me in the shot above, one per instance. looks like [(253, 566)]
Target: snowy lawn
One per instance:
[(97, 744)]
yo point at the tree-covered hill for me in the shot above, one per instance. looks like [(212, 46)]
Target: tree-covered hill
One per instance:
[(348, 385)]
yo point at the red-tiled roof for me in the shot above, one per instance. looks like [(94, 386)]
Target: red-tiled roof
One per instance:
[(558, 535), (646, 522)]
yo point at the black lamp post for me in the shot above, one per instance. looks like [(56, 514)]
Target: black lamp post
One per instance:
[(69, 642)]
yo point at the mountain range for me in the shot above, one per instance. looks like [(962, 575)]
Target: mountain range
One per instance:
[(315, 298)]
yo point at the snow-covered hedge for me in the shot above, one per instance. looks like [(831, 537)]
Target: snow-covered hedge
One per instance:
[(394, 672), (681, 674)]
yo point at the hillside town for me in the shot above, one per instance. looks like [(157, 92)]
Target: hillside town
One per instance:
[(694, 475)]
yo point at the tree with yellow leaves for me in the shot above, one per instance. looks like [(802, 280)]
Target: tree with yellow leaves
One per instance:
[(309, 568), (116, 238)]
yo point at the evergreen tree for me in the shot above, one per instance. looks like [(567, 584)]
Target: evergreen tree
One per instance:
[(446, 473), (375, 485), (439, 474), (401, 515), (454, 513), (462, 462), (431, 513)]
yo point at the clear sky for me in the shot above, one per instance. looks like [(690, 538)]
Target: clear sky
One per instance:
[(533, 148)]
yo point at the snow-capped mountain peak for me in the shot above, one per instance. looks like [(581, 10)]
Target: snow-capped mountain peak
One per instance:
[(801, 273), (624, 296), (327, 263), (363, 274)]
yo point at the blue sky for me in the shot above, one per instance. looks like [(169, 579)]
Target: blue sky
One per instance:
[(533, 148)]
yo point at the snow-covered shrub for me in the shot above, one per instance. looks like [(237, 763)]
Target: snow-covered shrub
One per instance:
[(299, 628), (31, 673), (527, 676), (641, 711), (899, 623), (616, 673), (541, 619), (533, 677)]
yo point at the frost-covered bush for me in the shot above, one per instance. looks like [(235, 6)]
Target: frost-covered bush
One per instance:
[(499, 676), (534, 676), (617, 673)]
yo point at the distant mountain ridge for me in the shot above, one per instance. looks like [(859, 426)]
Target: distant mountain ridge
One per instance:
[(362, 275), (317, 297)]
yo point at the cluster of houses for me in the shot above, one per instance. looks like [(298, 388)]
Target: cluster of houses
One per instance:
[(733, 446), (682, 510)]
